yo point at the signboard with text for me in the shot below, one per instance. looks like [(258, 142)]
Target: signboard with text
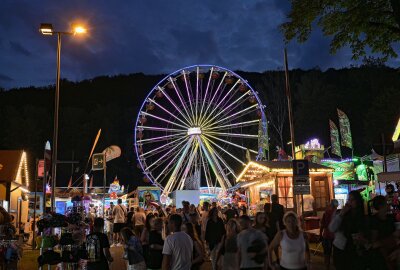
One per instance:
[(301, 177), (98, 162)]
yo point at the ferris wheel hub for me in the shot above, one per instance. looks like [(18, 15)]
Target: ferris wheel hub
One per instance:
[(194, 131)]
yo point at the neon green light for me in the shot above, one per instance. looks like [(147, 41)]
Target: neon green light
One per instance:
[(396, 133)]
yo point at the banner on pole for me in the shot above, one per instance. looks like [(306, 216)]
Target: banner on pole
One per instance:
[(345, 131), (112, 152), (335, 141), (40, 168)]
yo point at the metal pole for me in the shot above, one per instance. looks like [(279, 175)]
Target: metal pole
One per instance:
[(104, 184), (55, 129), (289, 100), (34, 208)]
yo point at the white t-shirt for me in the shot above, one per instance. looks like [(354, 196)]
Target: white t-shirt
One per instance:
[(119, 213), (140, 218), (244, 241), (180, 246)]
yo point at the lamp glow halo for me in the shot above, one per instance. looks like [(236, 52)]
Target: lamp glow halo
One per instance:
[(196, 127)]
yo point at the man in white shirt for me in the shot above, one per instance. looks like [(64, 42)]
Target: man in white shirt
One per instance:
[(119, 213), (178, 247)]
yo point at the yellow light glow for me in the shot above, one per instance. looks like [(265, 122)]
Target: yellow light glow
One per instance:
[(396, 134), (79, 29), (24, 189)]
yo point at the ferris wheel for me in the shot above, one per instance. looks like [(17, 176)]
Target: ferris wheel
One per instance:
[(198, 127)]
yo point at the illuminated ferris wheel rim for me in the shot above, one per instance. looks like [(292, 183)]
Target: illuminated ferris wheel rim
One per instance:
[(195, 132)]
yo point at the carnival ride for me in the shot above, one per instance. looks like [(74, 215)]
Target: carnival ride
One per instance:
[(199, 125)]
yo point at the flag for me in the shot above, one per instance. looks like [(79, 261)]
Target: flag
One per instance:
[(91, 182), (335, 142), (112, 152), (70, 182), (345, 132)]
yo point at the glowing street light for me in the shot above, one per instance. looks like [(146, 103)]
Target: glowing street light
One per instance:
[(47, 29)]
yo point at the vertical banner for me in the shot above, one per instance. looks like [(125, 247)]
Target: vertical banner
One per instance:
[(345, 132), (335, 141)]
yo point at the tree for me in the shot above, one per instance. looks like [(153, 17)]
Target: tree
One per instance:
[(361, 24)]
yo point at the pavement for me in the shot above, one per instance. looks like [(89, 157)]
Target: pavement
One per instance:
[(29, 260)]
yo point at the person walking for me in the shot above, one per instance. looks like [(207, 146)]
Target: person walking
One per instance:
[(229, 248), (156, 243), (139, 221), (119, 214), (276, 219), (144, 237), (326, 235), (129, 217), (252, 246), (98, 247), (383, 238), (185, 212), (294, 245), (261, 223), (230, 213), (178, 247), (198, 248), (348, 227), (110, 222), (215, 230), (134, 250)]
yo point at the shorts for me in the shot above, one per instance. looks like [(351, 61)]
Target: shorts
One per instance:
[(118, 227), (327, 246)]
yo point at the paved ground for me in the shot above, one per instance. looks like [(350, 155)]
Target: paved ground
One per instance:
[(29, 260)]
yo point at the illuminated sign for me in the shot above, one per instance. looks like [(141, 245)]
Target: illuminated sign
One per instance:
[(312, 144)]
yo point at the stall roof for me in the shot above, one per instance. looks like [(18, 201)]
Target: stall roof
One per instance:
[(9, 164), (388, 176), (260, 169)]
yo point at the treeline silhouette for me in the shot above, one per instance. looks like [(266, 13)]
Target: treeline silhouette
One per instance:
[(368, 94)]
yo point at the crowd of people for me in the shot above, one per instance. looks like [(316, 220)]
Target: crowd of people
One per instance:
[(184, 238)]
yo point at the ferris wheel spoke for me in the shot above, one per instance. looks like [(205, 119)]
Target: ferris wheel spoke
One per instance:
[(189, 165), (227, 152), (162, 147), (170, 113), (221, 159), (188, 90), (197, 92), (175, 106), (163, 119), (219, 103), (206, 170), (160, 129), (231, 143), (235, 135), (178, 166), (235, 115), (161, 138), (240, 124), (162, 158), (203, 99), (217, 168), (179, 94), (226, 108), (212, 99), (167, 168)]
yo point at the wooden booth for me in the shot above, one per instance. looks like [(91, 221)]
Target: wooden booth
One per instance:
[(14, 182), (261, 179)]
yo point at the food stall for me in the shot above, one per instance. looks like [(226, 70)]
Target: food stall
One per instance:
[(261, 179)]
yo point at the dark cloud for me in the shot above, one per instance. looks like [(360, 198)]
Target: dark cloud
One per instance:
[(5, 78), (19, 48), (151, 36)]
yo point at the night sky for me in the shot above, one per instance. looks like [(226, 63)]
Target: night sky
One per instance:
[(152, 37)]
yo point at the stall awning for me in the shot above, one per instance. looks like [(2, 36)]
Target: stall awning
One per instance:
[(388, 176), (243, 184)]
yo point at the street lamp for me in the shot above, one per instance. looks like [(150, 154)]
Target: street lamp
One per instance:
[(48, 30)]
